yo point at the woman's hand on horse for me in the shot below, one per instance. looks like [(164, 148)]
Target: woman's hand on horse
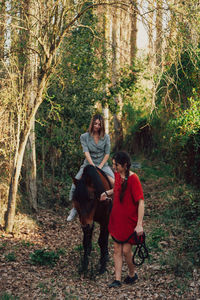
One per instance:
[(103, 197)]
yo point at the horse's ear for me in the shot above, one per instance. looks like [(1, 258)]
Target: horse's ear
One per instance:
[(75, 181)]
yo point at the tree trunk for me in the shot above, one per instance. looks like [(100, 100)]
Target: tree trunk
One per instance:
[(2, 28), (159, 21), (118, 133), (43, 161), (106, 118), (133, 37), (54, 19), (30, 166), (150, 36), (105, 20), (30, 94), (19, 154), (10, 213)]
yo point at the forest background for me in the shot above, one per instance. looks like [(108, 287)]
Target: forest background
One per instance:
[(61, 61)]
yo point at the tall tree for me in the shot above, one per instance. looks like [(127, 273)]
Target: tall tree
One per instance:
[(73, 92), (29, 62), (133, 41), (159, 31), (2, 28), (121, 35), (53, 19), (150, 23)]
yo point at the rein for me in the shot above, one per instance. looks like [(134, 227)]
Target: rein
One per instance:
[(141, 249)]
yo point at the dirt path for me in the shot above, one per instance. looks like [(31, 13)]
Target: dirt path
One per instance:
[(21, 279)]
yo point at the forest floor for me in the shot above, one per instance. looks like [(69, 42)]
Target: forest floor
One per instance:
[(49, 230)]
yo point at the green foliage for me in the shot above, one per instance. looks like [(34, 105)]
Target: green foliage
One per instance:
[(175, 209), (155, 171), (183, 137), (179, 79), (26, 243), (3, 246), (139, 136), (137, 105), (10, 256), (174, 133), (79, 248), (6, 296), (61, 251), (156, 236), (187, 122), (175, 122), (124, 87), (181, 216), (44, 257), (66, 113), (177, 263)]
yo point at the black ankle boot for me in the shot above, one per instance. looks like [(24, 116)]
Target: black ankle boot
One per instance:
[(115, 283)]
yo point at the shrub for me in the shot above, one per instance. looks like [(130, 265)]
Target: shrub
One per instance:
[(10, 256), (44, 257), (184, 141)]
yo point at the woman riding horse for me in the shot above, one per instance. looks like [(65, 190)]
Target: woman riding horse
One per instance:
[(96, 147)]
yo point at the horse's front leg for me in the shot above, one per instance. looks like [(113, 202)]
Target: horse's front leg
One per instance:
[(87, 244), (103, 244)]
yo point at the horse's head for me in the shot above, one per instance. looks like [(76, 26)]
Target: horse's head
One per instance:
[(87, 192)]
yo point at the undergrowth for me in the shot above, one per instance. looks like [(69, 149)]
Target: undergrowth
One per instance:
[(174, 210), (44, 257)]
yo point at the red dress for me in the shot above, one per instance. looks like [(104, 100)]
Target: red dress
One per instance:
[(124, 216)]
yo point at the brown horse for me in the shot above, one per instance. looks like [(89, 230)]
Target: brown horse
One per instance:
[(86, 200)]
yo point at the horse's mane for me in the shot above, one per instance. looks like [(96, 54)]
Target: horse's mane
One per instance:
[(105, 175), (91, 172), (90, 176)]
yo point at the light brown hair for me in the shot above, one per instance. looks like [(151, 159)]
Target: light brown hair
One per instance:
[(91, 126)]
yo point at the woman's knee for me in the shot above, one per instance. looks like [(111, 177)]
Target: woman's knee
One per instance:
[(127, 250), (117, 249)]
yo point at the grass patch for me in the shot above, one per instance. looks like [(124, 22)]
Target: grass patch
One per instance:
[(10, 256), (156, 170), (174, 209), (27, 244), (177, 263), (6, 296), (157, 235), (78, 248), (44, 257), (3, 246)]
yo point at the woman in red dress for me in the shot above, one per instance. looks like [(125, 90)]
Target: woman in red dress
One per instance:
[(126, 215)]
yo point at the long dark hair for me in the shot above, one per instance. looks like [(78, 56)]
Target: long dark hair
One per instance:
[(122, 158), (91, 126)]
